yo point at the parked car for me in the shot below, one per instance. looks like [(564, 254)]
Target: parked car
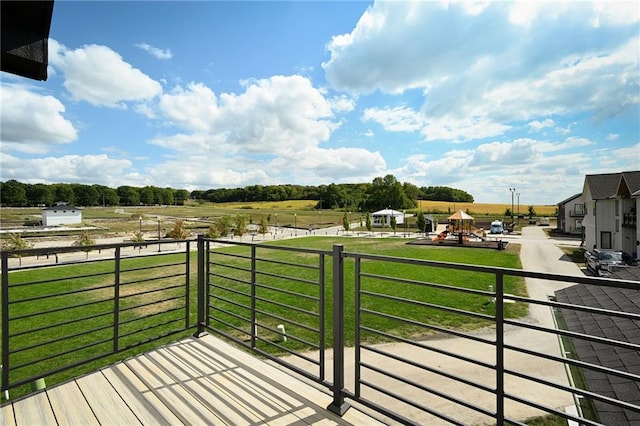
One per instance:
[(602, 262)]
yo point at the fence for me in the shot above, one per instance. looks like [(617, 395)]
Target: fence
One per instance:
[(418, 341)]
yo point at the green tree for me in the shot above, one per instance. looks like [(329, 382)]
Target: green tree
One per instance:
[(264, 226), (148, 196), (368, 223), (16, 242), (64, 192), (240, 223), (181, 196), (507, 212), (223, 226), (178, 232), (84, 240), (212, 232), (13, 194), (39, 195), (394, 224), (345, 222), (129, 196), (86, 195), (421, 222), (532, 211)]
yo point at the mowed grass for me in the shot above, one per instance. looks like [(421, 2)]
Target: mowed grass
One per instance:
[(381, 306), (79, 312)]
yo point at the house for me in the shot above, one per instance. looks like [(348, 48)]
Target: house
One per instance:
[(382, 218), (61, 214), (611, 202), (571, 214)]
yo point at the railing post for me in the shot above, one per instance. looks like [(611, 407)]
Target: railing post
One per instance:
[(499, 300), (202, 296), (5, 322), (254, 324), (116, 300), (338, 406)]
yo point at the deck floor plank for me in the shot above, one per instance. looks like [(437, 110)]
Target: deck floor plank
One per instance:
[(69, 405), (193, 381), (6, 416), (143, 402), (35, 410), (105, 402)]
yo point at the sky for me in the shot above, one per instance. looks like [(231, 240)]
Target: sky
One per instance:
[(479, 96)]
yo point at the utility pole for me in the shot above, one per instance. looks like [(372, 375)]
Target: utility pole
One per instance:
[(513, 190)]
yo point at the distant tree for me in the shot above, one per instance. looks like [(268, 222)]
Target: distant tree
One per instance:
[(345, 222), (223, 226), (387, 192), (148, 196), (507, 212), (109, 196), (178, 232), (532, 211), (421, 222), (394, 224), (16, 242), (181, 196), (86, 195), (84, 240), (264, 226), (13, 194), (39, 195), (129, 196), (240, 223), (138, 237), (368, 223), (64, 192)]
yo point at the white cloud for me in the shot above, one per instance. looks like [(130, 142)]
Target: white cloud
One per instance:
[(612, 136), (32, 122), (98, 169), (537, 125), (154, 51), (98, 75)]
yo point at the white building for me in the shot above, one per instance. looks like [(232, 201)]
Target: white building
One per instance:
[(61, 214), (611, 202), (382, 218)]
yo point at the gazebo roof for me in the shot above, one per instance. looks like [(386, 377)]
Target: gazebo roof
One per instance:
[(460, 215)]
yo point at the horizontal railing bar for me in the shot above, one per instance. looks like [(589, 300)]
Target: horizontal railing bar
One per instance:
[(428, 284), (229, 290), (288, 321), (430, 369), (429, 305), (237, 280), (284, 305), (409, 402), (288, 350), (152, 267), (156, 290), (61, 279), (573, 334), (283, 262), (231, 314), (228, 324), (60, 354), (151, 327), (60, 309), (580, 420), (429, 390), (430, 326), (245, 307), (431, 348), (60, 324), (61, 294), (283, 248), (576, 363), (152, 279), (96, 247), (289, 336), (232, 267), (579, 308), (287, 277), (289, 292), (574, 390), (60, 339), (155, 302)]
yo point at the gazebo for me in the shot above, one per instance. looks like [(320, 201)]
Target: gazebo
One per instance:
[(459, 219)]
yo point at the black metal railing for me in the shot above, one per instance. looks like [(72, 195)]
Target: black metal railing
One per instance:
[(66, 307), (485, 361)]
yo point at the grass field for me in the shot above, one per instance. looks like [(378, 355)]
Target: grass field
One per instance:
[(152, 299)]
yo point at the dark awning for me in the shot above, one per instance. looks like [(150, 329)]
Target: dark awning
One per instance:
[(25, 36)]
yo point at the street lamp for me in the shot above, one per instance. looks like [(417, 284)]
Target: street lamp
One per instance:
[(158, 234), (295, 223), (404, 220), (518, 195), (512, 190), (140, 219)]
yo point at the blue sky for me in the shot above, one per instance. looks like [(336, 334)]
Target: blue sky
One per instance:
[(481, 96)]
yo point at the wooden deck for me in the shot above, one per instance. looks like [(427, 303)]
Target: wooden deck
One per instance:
[(195, 382)]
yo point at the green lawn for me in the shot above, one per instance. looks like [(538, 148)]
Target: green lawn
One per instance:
[(153, 300)]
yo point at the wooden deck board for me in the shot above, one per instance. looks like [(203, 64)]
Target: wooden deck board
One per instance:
[(194, 381), (70, 406)]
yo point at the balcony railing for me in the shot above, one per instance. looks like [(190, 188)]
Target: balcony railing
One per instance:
[(279, 300), (629, 220)]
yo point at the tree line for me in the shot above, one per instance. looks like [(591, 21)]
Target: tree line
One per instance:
[(381, 193)]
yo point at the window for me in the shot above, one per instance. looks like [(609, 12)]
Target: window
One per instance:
[(605, 240), (578, 224), (578, 209)]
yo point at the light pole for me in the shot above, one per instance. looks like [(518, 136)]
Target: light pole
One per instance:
[(512, 190), (518, 195), (404, 220), (158, 234), (295, 223), (140, 219)]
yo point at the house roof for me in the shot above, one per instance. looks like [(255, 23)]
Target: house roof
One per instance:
[(610, 185), (460, 215), (573, 197), (620, 329), (387, 212)]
